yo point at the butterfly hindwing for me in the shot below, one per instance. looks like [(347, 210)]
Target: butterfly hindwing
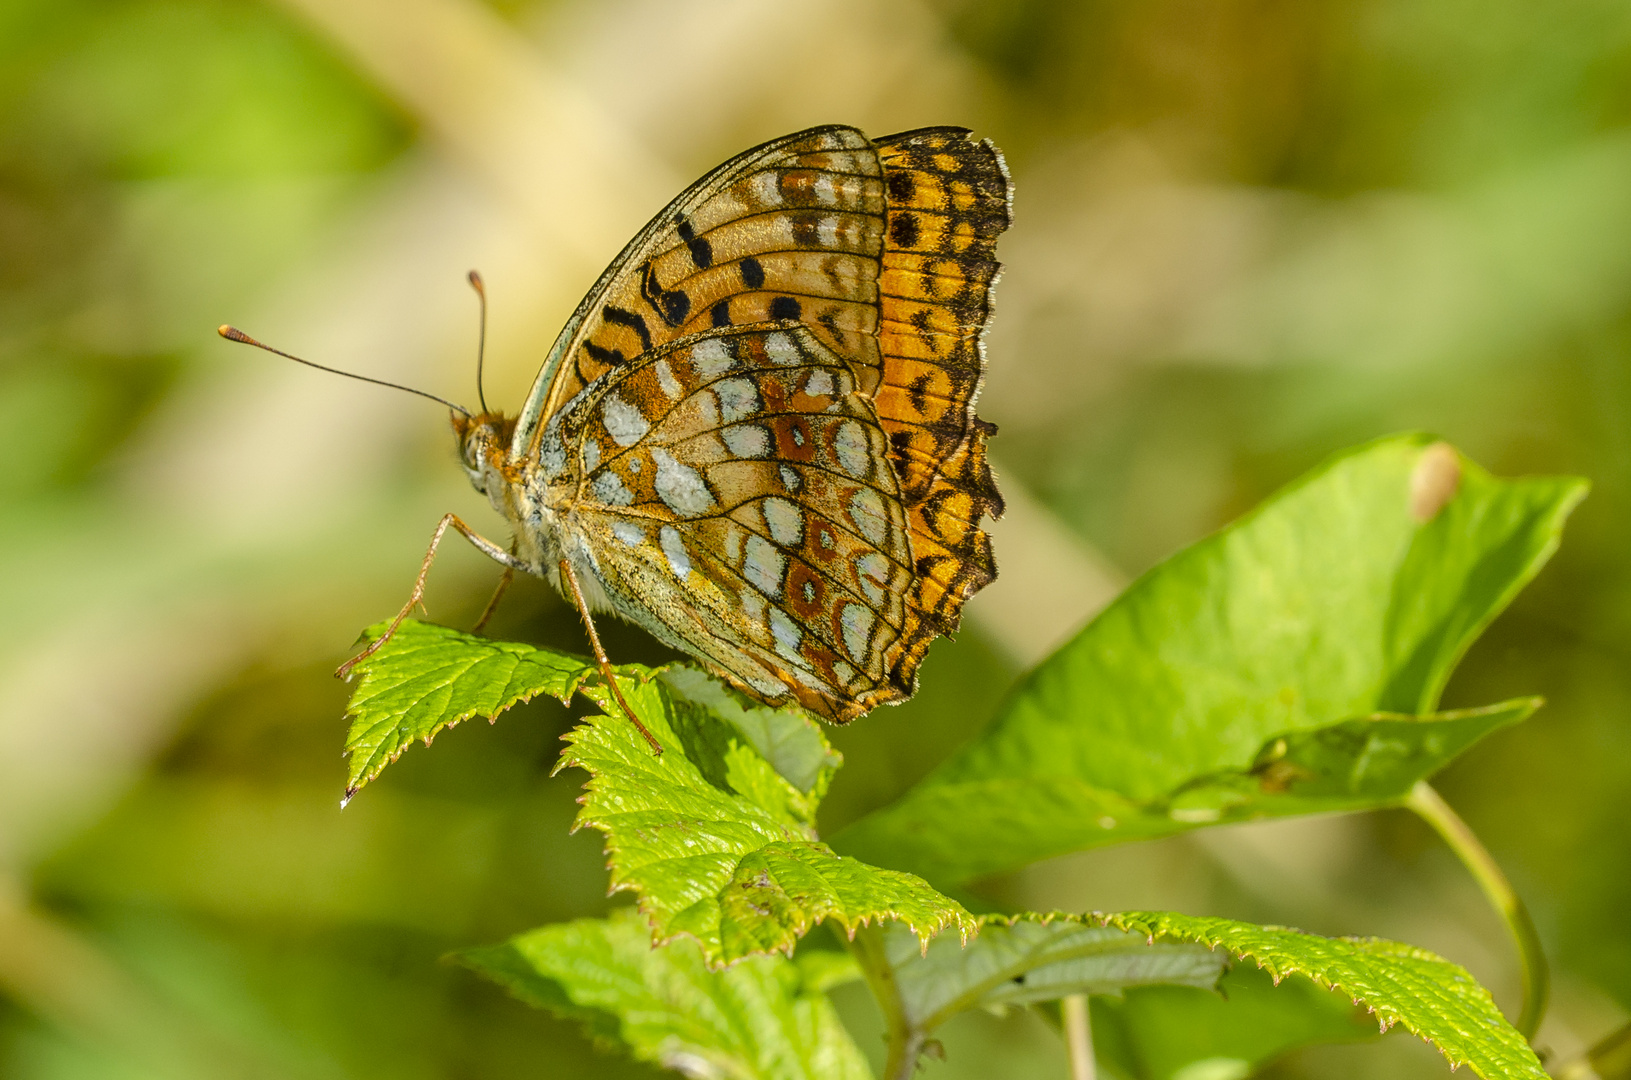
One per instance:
[(740, 491)]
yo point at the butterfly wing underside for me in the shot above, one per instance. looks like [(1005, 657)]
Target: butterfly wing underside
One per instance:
[(875, 261), (737, 491)]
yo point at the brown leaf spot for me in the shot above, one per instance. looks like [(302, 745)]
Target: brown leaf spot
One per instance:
[(1434, 482)]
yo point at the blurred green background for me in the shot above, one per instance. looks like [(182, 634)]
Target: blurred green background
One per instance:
[(1248, 233)]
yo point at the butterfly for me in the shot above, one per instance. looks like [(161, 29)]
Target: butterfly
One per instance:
[(755, 437)]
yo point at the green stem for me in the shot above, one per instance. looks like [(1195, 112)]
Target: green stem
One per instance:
[(1430, 806), (905, 1041), (1078, 1035)]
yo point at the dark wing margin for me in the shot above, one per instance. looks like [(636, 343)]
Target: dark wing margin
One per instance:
[(949, 198)]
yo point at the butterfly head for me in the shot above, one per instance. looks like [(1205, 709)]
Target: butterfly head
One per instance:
[(484, 441)]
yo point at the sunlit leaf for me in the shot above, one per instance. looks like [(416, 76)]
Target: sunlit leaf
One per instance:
[(430, 677), (1423, 993), (766, 1017), (718, 844), (1349, 595)]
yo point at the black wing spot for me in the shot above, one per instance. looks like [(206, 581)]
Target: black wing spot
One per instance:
[(720, 313), (785, 307), (830, 321), (807, 229), (919, 393), (672, 306), (632, 320), (753, 274), (702, 252), (604, 355), (903, 231), (902, 185)]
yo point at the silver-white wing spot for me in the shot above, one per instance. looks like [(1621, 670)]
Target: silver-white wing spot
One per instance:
[(608, 488), (781, 349), (790, 478), (628, 532), (678, 560), (819, 384), (711, 358), (764, 566), (747, 440), (624, 423), (738, 399), (856, 622), (872, 572), (788, 636), (853, 452), (591, 455), (680, 486), (785, 521), (665, 378), (867, 512)]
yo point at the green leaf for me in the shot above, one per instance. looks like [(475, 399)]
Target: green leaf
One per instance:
[(796, 750), (716, 842), (1030, 958), (766, 1018), (429, 677), (1348, 596), (1167, 1032), (1424, 993), (1353, 765)]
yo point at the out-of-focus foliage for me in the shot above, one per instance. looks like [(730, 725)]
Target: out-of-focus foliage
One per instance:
[(1261, 672), (764, 1017), (1247, 234)]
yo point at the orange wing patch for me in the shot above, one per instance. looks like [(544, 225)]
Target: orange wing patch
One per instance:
[(947, 202)]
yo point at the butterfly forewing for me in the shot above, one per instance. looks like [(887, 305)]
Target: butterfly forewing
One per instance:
[(791, 230), (739, 488), (948, 201)]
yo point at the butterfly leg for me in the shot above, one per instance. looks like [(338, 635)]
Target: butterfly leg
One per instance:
[(481, 543), (606, 672), (498, 594)]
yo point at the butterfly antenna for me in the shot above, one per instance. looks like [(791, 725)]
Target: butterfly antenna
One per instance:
[(232, 333), (481, 342)]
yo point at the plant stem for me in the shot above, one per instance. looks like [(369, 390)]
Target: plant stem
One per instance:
[(1430, 806), (1078, 1036), (905, 1041)]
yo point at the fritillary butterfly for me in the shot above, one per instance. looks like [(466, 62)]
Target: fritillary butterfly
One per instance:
[(755, 437)]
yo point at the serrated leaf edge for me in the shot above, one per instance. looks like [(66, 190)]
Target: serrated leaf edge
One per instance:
[(1148, 923)]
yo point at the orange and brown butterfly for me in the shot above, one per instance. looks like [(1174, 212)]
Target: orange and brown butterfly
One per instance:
[(755, 437)]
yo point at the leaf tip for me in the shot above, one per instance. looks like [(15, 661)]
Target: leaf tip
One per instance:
[(350, 793)]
